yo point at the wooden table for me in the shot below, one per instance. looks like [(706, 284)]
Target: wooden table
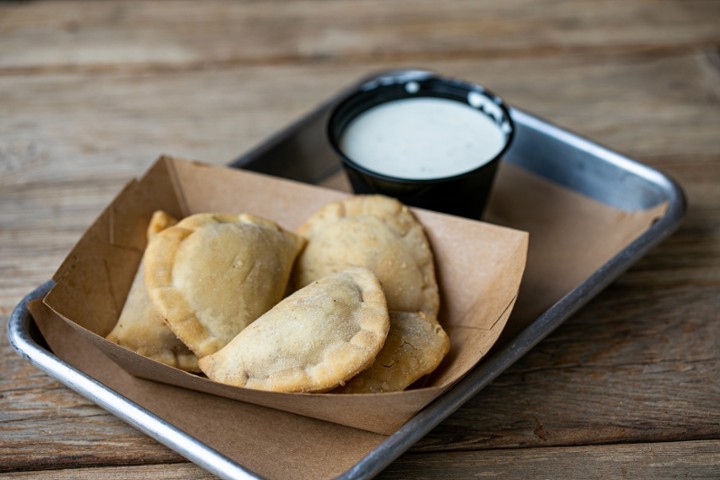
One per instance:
[(91, 93)]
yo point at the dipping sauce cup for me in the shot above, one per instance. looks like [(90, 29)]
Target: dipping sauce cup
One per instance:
[(429, 141)]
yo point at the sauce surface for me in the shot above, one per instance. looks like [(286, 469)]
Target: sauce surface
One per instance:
[(422, 138)]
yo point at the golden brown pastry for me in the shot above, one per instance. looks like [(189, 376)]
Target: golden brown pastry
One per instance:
[(415, 346), (211, 275), (140, 328), (378, 233), (312, 341)]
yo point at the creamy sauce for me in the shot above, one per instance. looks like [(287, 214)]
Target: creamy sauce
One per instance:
[(422, 138)]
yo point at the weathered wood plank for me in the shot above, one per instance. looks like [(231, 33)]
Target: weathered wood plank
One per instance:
[(176, 34), (248, 105), (641, 461), (185, 471), (216, 114)]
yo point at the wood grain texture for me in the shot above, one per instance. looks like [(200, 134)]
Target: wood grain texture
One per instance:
[(181, 35), (639, 461), (92, 92), (183, 471)]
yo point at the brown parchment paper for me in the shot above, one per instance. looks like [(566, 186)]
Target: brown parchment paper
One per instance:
[(570, 237), (92, 285)]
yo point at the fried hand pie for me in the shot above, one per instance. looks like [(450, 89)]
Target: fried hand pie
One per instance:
[(415, 346), (211, 275), (378, 233), (312, 341)]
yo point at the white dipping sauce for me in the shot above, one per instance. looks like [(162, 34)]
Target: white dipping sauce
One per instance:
[(422, 138)]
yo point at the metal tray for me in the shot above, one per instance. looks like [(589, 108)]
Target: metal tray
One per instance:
[(300, 152)]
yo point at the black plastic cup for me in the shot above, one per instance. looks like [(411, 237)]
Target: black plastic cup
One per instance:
[(463, 194)]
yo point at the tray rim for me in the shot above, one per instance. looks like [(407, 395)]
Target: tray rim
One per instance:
[(21, 340)]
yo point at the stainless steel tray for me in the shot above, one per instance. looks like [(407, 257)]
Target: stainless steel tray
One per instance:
[(300, 152)]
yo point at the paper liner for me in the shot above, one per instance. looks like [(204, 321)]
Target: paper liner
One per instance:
[(479, 268)]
